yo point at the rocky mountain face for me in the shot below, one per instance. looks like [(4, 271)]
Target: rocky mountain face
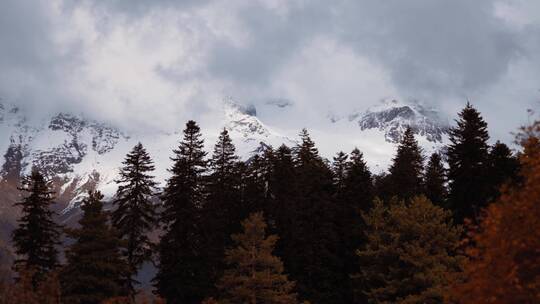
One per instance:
[(79, 154), (393, 117)]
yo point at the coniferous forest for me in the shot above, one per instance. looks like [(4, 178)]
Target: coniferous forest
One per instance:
[(289, 226)]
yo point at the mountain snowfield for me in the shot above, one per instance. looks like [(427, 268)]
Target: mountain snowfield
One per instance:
[(81, 153)]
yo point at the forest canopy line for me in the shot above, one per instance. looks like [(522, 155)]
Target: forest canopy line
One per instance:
[(289, 226)]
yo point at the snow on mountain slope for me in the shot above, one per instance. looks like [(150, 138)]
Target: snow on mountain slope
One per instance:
[(83, 154), (393, 117)]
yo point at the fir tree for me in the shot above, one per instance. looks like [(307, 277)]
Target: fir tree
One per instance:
[(503, 169), (255, 176), (505, 265), (223, 210), (468, 163), (358, 183), (406, 169), (135, 215), (312, 256), (95, 268), (354, 197), (435, 181), (281, 194), (340, 169), (254, 274), (183, 273), (410, 255), (37, 236)]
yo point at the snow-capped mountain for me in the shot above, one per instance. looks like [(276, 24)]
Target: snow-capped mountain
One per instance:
[(79, 153), (392, 117)]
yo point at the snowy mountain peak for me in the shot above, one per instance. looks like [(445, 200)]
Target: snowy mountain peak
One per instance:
[(393, 117), (241, 121)]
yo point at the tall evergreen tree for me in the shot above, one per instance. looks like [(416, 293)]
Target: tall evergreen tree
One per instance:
[(312, 256), (255, 176), (37, 235), (406, 169), (254, 274), (358, 183), (411, 252), (353, 198), (281, 194), (340, 170), (468, 163), (223, 209), (95, 268), (435, 181), (183, 273), (135, 215), (503, 169)]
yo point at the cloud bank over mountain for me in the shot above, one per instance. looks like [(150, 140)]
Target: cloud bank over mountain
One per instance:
[(154, 64)]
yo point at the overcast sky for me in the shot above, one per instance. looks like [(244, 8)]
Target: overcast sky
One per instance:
[(152, 64)]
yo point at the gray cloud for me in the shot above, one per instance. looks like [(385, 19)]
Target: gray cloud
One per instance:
[(183, 55)]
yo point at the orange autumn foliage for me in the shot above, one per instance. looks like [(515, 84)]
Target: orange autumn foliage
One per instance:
[(505, 261)]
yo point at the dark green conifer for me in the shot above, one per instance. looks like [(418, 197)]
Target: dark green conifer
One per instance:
[(411, 252), (223, 208), (37, 235), (355, 197), (435, 181), (312, 256), (339, 167), (95, 268), (184, 274), (406, 170), (135, 215), (468, 164), (503, 169)]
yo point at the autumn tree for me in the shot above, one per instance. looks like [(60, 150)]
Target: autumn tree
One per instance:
[(95, 268), (410, 254), (37, 235), (254, 275), (23, 291), (135, 214), (505, 264)]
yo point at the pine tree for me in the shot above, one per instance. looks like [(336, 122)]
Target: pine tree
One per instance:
[(505, 265), (37, 236), (503, 169), (95, 268), (312, 254), (468, 163), (223, 210), (406, 169), (254, 274), (435, 181), (183, 273), (410, 255), (281, 193), (340, 169), (355, 196), (358, 183), (255, 174), (135, 215)]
